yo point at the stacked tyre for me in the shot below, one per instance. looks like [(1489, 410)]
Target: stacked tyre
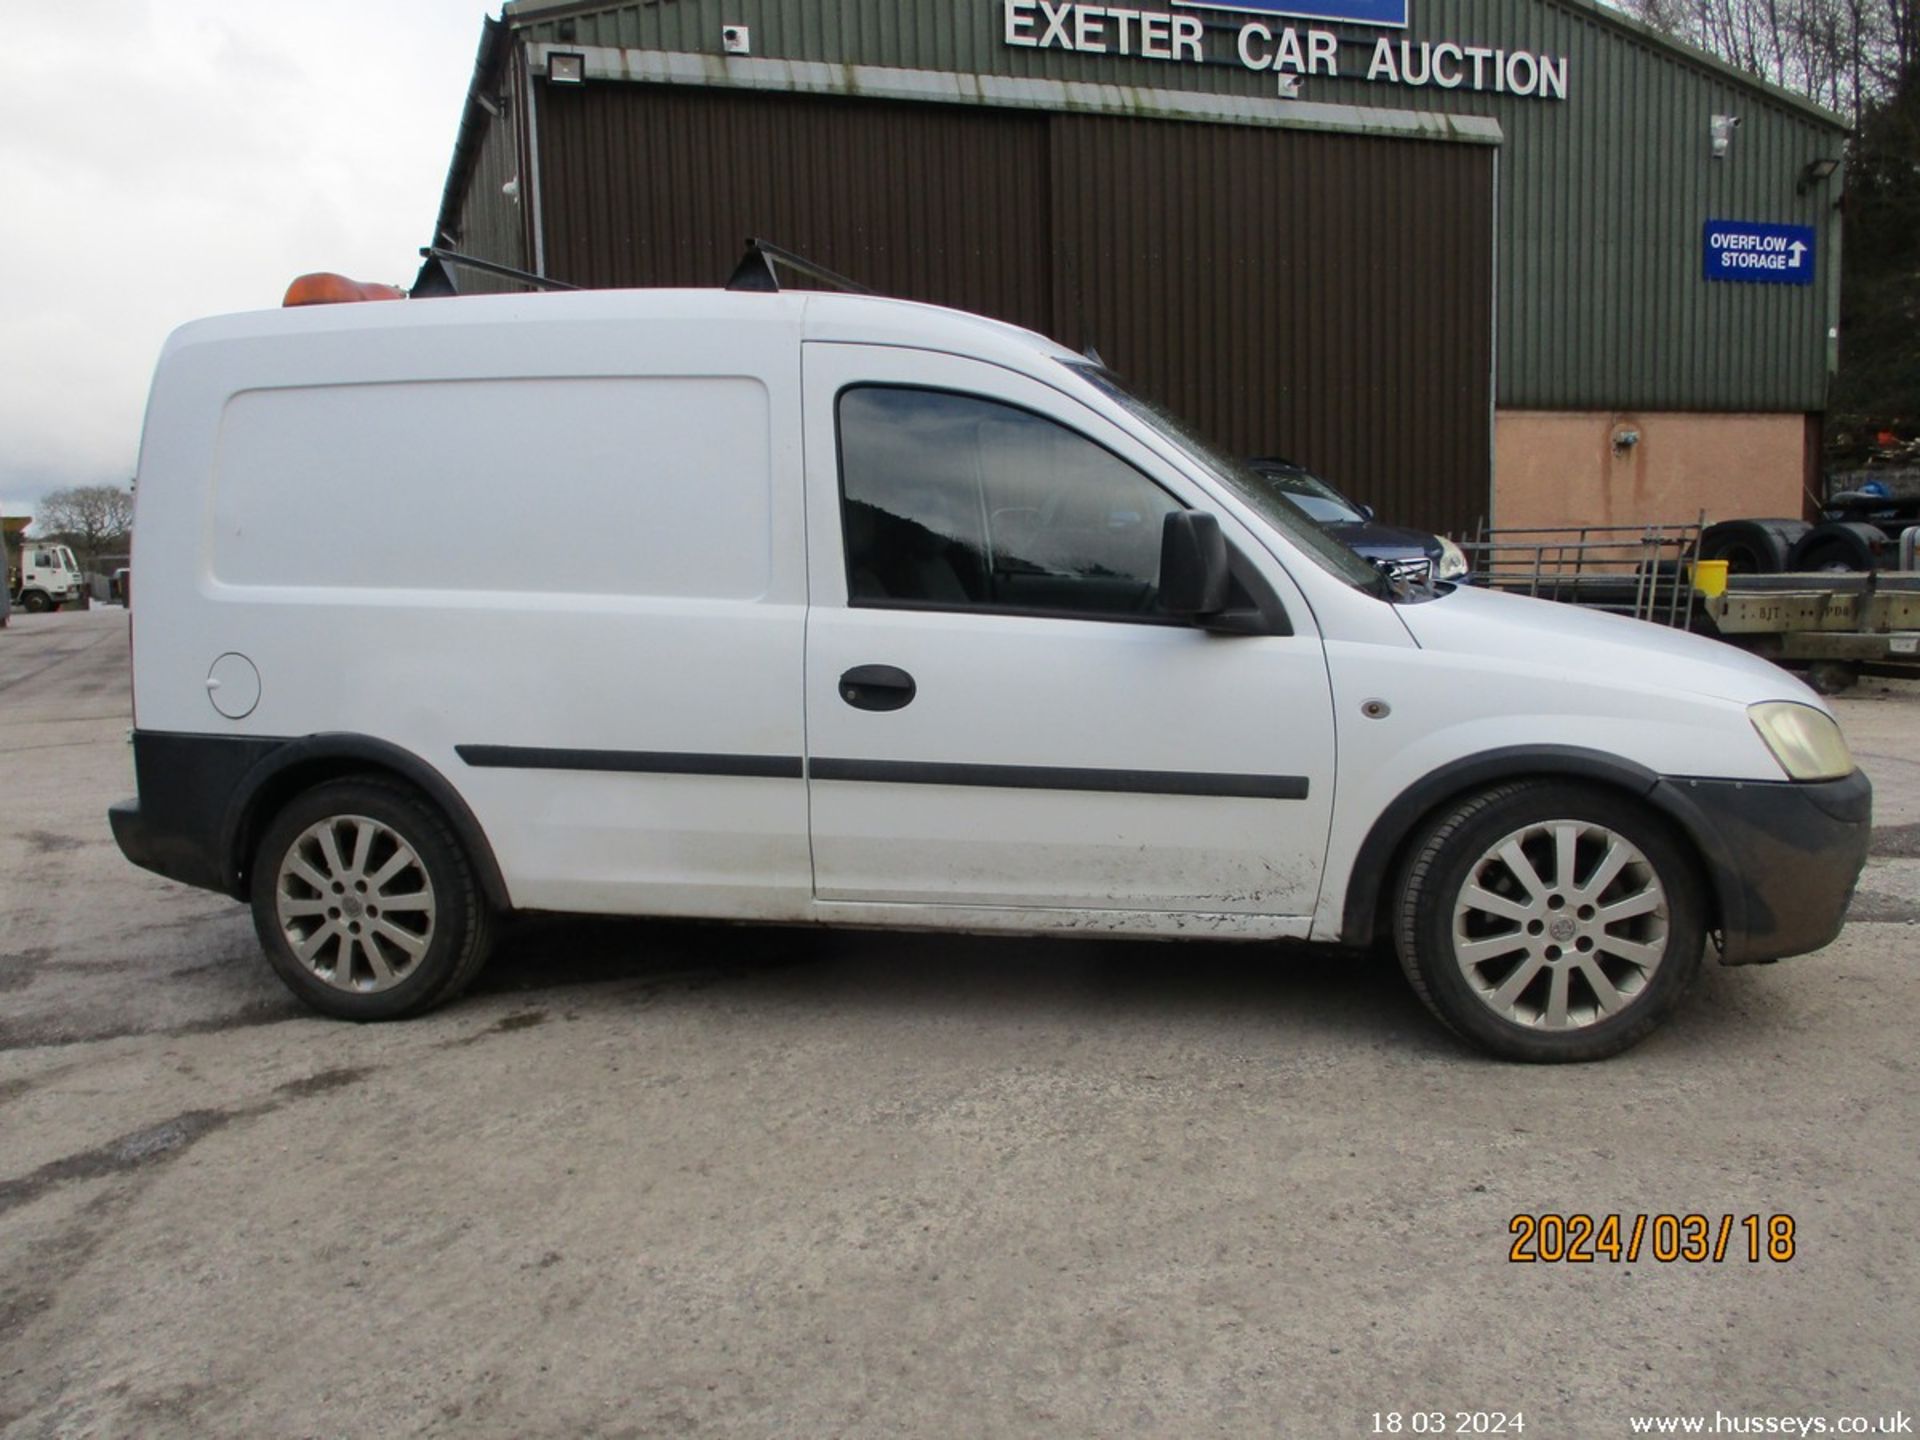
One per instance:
[(1754, 547), (1774, 547), (1842, 545)]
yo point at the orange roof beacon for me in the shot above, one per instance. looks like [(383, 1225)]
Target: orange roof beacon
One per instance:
[(323, 287)]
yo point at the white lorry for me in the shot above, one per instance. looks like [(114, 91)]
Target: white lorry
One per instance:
[(877, 614), (43, 576)]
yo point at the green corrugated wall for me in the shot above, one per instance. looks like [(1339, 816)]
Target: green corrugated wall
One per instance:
[(1603, 197)]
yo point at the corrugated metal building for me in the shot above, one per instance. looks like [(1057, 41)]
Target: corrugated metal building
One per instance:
[(1455, 254)]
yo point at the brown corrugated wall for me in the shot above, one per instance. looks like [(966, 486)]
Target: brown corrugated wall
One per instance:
[(646, 186), (1354, 334)]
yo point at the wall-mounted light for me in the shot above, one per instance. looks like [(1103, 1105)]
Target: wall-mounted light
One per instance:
[(736, 39), (1818, 172), (1722, 131), (567, 68)]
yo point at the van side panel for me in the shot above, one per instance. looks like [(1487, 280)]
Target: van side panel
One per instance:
[(596, 486), (561, 563)]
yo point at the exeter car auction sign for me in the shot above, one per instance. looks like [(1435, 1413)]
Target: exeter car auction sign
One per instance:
[(1759, 254), (1290, 51)]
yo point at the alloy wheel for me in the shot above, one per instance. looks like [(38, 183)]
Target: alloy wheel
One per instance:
[(1560, 925), (355, 903)]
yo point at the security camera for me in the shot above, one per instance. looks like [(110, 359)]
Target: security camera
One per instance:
[(736, 39)]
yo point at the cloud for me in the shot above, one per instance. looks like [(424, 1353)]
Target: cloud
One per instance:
[(181, 158)]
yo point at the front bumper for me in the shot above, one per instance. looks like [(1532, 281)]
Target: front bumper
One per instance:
[(1784, 857)]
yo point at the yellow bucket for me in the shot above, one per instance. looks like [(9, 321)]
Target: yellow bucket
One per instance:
[(1710, 577)]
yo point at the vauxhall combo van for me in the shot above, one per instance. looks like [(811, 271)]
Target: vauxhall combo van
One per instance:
[(833, 610)]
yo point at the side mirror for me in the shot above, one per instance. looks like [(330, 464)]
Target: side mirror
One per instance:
[(1366, 512), (1193, 565)]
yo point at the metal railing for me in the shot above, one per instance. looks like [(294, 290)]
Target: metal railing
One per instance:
[(1645, 571)]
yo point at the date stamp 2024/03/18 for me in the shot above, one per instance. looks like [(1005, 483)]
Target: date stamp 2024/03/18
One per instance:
[(1554, 1239)]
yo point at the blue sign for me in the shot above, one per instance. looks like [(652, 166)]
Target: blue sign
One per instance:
[(1756, 254), (1354, 12)]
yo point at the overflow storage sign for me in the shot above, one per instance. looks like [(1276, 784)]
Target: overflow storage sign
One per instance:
[(1755, 254)]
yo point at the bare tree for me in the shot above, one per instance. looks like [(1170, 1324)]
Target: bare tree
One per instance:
[(95, 520), (1848, 55)]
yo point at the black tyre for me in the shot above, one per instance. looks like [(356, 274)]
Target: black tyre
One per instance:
[(1752, 547), (35, 603), (1549, 922), (366, 904), (1840, 545)]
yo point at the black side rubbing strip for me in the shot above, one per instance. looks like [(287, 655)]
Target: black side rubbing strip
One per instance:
[(1047, 777), (630, 762), (897, 772)]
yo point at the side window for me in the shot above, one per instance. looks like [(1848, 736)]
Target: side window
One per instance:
[(954, 501)]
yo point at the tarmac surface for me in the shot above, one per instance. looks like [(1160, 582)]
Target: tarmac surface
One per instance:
[(674, 1180)]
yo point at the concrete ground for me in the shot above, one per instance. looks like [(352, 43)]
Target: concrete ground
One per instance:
[(663, 1180)]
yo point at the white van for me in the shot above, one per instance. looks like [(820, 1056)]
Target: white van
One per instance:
[(833, 610)]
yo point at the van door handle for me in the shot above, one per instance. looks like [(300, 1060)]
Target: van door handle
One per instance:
[(877, 687)]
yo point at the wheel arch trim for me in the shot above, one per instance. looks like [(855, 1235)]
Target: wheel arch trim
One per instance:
[(339, 751), (1376, 861)]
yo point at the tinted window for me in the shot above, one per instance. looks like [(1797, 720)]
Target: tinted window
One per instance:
[(956, 501)]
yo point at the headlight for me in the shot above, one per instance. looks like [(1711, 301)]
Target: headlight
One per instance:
[(1806, 742), (1453, 561)]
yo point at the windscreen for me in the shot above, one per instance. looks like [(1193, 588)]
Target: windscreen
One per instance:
[(1308, 493), (1248, 486)]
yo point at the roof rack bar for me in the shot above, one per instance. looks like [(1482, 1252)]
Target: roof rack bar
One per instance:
[(755, 270), (472, 262)]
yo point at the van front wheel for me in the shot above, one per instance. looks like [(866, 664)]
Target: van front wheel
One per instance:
[(1550, 922), (366, 904)]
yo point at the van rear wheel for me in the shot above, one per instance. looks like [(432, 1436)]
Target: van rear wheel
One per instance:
[(1551, 922), (365, 903)]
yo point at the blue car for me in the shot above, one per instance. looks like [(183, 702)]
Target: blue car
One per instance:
[(1406, 554)]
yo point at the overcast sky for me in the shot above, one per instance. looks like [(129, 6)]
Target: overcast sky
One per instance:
[(168, 159)]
